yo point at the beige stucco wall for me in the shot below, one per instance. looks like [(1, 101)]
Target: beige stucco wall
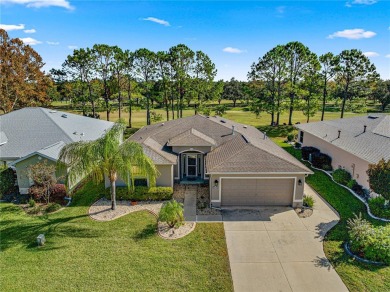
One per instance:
[(22, 168), (340, 158), (178, 149), (165, 179), (215, 196), (166, 176)]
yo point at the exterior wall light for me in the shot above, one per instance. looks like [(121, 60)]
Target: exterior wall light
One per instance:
[(299, 182), (216, 183)]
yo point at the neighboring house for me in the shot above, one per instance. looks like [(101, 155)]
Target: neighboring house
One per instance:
[(36, 134), (353, 143), (242, 166)]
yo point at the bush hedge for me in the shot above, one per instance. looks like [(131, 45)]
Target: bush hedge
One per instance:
[(341, 176), (141, 193), (7, 181), (321, 160), (372, 243), (58, 193), (307, 150), (378, 207)]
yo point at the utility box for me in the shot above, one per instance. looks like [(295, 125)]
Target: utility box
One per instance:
[(41, 239)]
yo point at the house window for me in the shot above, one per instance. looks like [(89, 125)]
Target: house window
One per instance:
[(301, 137), (140, 182)]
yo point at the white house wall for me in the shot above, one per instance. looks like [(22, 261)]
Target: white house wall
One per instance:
[(340, 158)]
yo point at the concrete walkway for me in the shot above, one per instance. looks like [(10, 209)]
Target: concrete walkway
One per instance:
[(190, 203), (272, 249)]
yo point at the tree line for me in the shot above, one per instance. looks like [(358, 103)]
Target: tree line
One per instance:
[(286, 79)]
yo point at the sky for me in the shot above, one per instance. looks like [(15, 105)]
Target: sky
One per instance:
[(234, 34)]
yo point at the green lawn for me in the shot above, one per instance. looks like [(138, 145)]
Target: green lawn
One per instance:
[(121, 255), (239, 114), (357, 276)]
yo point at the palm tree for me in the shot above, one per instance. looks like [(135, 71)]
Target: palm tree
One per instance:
[(107, 156)]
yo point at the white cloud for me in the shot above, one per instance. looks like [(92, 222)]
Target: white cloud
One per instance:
[(156, 20), (72, 47), (52, 43), (364, 2), (280, 9), (41, 3), (30, 30), (371, 54), (30, 41), (9, 27), (353, 34), (387, 56), (233, 50)]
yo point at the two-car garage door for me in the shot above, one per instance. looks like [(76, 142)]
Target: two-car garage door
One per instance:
[(257, 192)]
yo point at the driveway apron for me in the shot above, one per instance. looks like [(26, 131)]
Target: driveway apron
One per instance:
[(272, 249)]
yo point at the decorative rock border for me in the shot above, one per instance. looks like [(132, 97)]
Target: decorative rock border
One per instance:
[(350, 253), (103, 206), (172, 233), (352, 192)]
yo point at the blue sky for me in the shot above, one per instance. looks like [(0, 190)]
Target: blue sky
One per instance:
[(233, 33)]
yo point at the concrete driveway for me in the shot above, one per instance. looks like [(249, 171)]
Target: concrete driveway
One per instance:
[(272, 249)]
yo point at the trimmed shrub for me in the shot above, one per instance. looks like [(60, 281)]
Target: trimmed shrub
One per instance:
[(290, 137), (372, 243), (31, 203), (352, 183), (379, 207), (52, 207), (142, 193), (7, 181), (297, 145), (341, 176), (58, 193), (308, 201), (306, 151), (172, 213), (321, 160), (379, 178)]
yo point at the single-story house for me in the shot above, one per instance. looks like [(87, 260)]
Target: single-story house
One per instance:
[(35, 134), (352, 143), (242, 166)]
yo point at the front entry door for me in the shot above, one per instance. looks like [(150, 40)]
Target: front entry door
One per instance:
[(192, 165)]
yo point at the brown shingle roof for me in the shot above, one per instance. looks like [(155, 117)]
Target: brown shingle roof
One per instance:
[(245, 150), (191, 138)]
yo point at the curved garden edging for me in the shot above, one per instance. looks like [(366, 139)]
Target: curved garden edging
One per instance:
[(350, 253), (352, 192)]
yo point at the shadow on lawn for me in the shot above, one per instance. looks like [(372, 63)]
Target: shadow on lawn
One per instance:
[(147, 232), (26, 233)]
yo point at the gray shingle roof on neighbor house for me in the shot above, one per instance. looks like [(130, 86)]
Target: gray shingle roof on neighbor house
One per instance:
[(371, 144), (34, 129), (243, 150)]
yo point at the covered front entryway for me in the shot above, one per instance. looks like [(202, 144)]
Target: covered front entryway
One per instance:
[(191, 166), (257, 191)]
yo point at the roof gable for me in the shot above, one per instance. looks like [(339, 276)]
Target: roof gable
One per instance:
[(191, 137)]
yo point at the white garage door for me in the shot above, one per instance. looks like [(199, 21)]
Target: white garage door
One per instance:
[(257, 192)]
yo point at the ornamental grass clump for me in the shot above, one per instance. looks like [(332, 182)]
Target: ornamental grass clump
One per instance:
[(308, 201), (172, 213)]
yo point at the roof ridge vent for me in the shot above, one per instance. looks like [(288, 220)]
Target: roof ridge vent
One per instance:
[(223, 121), (64, 116)]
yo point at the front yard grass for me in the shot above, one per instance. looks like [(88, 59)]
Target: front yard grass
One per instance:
[(357, 276), (121, 255)]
